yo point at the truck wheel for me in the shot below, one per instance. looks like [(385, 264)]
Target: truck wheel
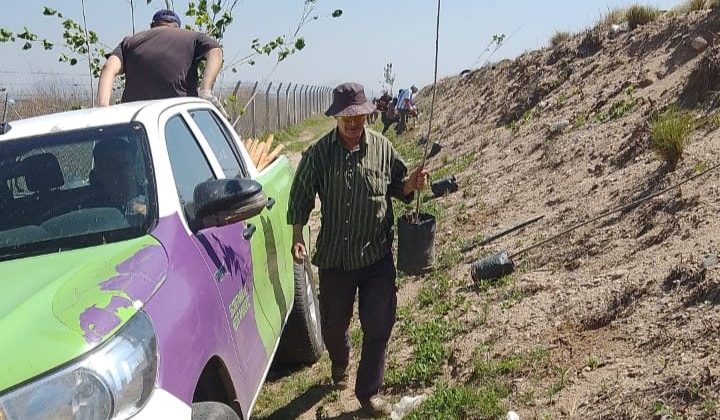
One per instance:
[(301, 341), (213, 411)]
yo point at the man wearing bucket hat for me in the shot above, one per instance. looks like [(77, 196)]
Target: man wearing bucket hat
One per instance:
[(162, 62), (354, 171)]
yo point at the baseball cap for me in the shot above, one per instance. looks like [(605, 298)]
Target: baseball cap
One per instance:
[(166, 15)]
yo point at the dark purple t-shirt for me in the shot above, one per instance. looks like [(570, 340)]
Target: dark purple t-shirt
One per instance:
[(162, 62)]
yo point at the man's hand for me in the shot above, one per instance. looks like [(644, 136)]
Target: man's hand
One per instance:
[(298, 250), (208, 96), (416, 181)]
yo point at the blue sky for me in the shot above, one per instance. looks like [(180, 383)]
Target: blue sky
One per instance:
[(354, 47)]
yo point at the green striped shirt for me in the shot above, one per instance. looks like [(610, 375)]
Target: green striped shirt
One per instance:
[(355, 189)]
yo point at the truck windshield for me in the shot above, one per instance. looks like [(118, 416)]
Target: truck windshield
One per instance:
[(74, 189)]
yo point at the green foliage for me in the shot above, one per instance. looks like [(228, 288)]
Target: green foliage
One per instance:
[(670, 133), (638, 15), (429, 355), (592, 362), (559, 37), (700, 167), (436, 290), (485, 369), (580, 121), (211, 16), (619, 108), (561, 382), (462, 402)]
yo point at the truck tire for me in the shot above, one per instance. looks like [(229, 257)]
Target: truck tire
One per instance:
[(301, 341), (213, 411)]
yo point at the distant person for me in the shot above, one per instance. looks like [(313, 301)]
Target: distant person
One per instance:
[(405, 104), (162, 62), (354, 171)]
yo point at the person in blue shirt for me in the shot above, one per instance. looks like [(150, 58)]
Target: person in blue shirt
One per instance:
[(405, 104)]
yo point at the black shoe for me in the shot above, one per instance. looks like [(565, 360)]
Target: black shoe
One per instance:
[(339, 376), (376, 406)]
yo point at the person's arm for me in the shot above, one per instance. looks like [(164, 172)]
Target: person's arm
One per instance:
[(111, 69), (213, 64), (302, 201), (416, 181), (403, 186)]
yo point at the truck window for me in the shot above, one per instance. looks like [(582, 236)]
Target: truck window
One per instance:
[(189, 165), (221, 143)]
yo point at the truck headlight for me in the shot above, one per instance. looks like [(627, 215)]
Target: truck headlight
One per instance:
[(112, 382)]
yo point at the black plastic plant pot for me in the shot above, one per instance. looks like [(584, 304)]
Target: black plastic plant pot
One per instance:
[(416, 244), (444, 186), (435, 148), (493, 267)]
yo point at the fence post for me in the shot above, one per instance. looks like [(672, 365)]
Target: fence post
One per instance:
[(295, 104), (277, 106), (252, 95), (287, 105), (308, 94), (317, 100), (313, 98), (303, 92), (267, 108), (308, 107), (235, 93)]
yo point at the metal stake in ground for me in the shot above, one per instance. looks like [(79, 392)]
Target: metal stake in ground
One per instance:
[(416, 232), (432, 105), (501, 264)]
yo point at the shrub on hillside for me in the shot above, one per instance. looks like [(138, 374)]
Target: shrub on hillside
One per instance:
[(559, 37), (637, 15), (670, 134), (697, 5), (612, 17)]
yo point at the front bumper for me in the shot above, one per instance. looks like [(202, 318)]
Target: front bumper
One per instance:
[(164, 405)]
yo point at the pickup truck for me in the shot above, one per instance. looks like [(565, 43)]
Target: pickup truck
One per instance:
[(145, 267)]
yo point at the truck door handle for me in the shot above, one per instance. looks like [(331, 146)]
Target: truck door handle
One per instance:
[(249, 231), (270, 203)]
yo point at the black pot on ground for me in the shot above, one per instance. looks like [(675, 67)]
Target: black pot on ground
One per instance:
[(416, 244), (435, 148), (444, 186)]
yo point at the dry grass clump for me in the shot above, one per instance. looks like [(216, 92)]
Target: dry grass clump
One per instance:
[(670, 133), (697, 5), (47, 97), (559, 37), (613, 16), (637, 15)]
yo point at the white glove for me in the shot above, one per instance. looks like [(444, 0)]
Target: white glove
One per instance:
[(208, 96)]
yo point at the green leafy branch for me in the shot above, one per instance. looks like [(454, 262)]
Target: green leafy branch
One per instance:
[(73, 41), (284, 45)]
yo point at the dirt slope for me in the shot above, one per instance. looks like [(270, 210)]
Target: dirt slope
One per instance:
[(563, 132)]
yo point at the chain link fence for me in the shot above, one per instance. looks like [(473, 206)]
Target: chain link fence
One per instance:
[(257, 109)]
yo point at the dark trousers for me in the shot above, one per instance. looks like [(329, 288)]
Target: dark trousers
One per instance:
[(402, 122), (375, 286)]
